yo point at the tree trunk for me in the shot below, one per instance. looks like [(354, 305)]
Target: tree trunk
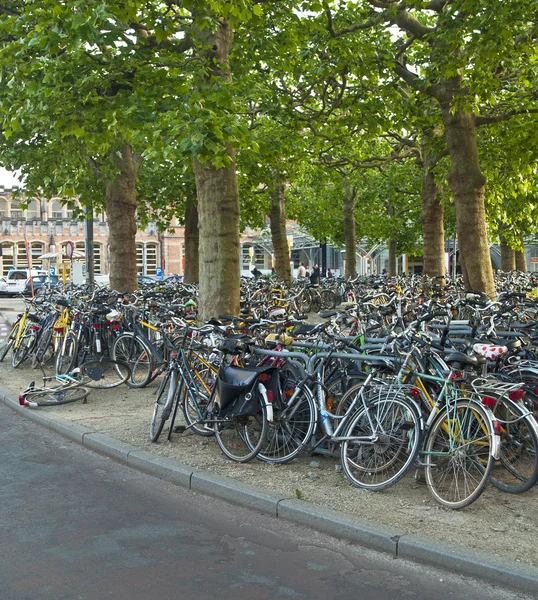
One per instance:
[(433, 231), (392, 258), (467, 185), (521, 259), (121, 216), (350, 235), (278, 232), (192, 239), (508, 255), (218, 199)]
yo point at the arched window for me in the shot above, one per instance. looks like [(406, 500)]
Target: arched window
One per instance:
[(98, 258), (56, 210), (147, 258), (34, 209), (21, 261), (16, 210), (38, 248), (140, 258), (4, 207), (6, 260), (151, 259)]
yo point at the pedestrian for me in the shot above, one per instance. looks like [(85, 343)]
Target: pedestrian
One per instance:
[(330, 273), (301, 271), (314, 278), (256, 272)]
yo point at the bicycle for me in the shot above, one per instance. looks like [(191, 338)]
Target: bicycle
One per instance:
[(74, 386)]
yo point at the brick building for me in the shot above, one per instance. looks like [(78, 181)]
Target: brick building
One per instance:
[(47, 225)]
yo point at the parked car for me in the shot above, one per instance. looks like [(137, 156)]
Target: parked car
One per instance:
[(41, 283), (173, 279), (145, 280), (15, 281)]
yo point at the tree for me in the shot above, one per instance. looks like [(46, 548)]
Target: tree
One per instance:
[(452, 52)]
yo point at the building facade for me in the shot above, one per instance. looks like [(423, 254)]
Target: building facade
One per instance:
[(47, 225)]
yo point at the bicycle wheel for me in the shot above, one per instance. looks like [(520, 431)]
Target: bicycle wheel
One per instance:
[(43, 345), (63, 394), (161, 410), (328, 299), (104, 373), (66, 357), (458, 453), (516, 471), (26, 345), (381, 442), (132, 350), (6, 347), (241, 438), (8, 344), (292, 426), (196, 401)]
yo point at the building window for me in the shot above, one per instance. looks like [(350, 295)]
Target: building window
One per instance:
[(97, 258), (38, 248), (147, 258), (151, 259), (4, 207), (33, 211), (21, 261), (57, 210), (7, 257)]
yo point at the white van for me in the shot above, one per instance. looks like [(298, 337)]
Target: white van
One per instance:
[(15, 281)]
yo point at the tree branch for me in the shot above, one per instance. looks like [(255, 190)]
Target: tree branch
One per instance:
[(480, 120)]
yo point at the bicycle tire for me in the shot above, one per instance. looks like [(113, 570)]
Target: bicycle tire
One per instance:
[(159, 418), (8, 344), (132, 350), (104, 373), (516, 471), (66, 357), (6, 347), (241, 438), (328, 299), (292, 427), (42, 346), (392, 429), (56, 396), (21, 353), (459, 479), (193, 411)]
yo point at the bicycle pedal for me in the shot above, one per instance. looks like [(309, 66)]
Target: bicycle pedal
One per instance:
[(179, 429)]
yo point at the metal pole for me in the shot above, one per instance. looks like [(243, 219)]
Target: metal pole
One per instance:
[(88, 240), (323, 247), (455, 257)]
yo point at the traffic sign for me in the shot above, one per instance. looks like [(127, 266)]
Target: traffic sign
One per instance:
[(69, 249), (159, 273), (52, 270)]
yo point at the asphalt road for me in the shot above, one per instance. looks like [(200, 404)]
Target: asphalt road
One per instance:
[(77, 526), (13, 305)]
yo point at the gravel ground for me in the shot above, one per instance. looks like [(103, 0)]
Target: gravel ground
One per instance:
[(499, 523)]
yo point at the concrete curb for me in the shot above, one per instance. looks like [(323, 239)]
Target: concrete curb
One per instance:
[(462, 561)]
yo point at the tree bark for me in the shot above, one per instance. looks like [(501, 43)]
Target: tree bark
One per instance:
[(467, 184), (392, 258), (192, 240), (433, 232), (350, 235), (218, 200), (521, 259), (121, 216), (508, 255), (278, 231)]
